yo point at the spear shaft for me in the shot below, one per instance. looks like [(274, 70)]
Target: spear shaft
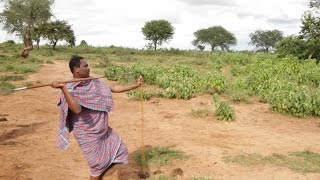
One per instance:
[(49, 84)]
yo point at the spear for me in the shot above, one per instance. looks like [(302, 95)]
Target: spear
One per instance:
[(63, 82)]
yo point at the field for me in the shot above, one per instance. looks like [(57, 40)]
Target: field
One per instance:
[(238, 115)]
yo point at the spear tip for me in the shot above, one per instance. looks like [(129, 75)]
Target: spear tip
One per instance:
[(18, 89)]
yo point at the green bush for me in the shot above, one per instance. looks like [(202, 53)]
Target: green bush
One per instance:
[(139, 95), (293, 46), (224, 111)]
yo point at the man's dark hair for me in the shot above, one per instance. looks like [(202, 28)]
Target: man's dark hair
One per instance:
[(74, 62)]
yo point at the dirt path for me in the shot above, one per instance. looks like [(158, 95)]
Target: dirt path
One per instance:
[(28, 139)]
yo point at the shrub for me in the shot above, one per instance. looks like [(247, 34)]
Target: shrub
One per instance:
[(223, 110)]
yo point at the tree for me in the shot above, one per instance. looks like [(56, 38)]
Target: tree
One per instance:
[(38, 33), (20, 17), (310, 29), (83, 43), (215, 36), (200, 47), (158, 32), (292, 45), (58, 31), (314, 4), (265, 38)]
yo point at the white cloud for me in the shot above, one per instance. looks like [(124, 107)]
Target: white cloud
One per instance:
[(105, 23)]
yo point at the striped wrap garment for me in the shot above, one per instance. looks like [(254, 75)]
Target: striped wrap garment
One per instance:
[(99, 143)]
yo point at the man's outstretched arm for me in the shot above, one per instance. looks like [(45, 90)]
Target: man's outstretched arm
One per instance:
[(119, 89)]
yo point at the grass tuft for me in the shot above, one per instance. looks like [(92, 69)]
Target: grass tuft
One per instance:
[(200, 113), (6, 88), (303, 161), (11, 78), (158, 156)]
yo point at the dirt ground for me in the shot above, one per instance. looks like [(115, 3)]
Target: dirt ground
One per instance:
[(28, 138)]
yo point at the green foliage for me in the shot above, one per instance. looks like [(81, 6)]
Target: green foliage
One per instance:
[(39, 31), (286, 84), (200, 47), (200, 113), (215, 36), (57, 31), (104, 62), (114, 72), (213, 83), (139, 95), (303, 161), (6, 88), (148, 71), (295, 101), (310, 29), (11, 77), (8, 43), (314, 4), (21, 16), (223, 111), (15, 65), (265, 38), (294, 46), (158, 156), (180, 81), (23, 68), (239, 97), (158, 32), (83, 43)]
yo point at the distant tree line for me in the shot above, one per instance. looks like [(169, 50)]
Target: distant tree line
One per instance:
[(32, 21)]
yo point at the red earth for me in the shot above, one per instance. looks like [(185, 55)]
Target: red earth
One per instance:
[(28, 136)]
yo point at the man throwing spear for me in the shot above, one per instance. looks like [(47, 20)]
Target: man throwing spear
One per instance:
[(84, 109)]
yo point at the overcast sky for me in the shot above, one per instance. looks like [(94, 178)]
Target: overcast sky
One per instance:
[(105, 23)]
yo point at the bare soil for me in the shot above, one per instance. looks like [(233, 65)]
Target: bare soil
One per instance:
[(28, 136)]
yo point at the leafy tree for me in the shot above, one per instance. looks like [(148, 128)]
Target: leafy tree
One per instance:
[(200, 47), (39, 32), (20, 17), (158, 32), (83, 43), (310, 29), (58, 31), (9, 42), (71, 39), (215, 36), (314, 4), (265, 38), (292, 45)]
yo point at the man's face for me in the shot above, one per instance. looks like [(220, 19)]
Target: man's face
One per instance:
[(83, 71)]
